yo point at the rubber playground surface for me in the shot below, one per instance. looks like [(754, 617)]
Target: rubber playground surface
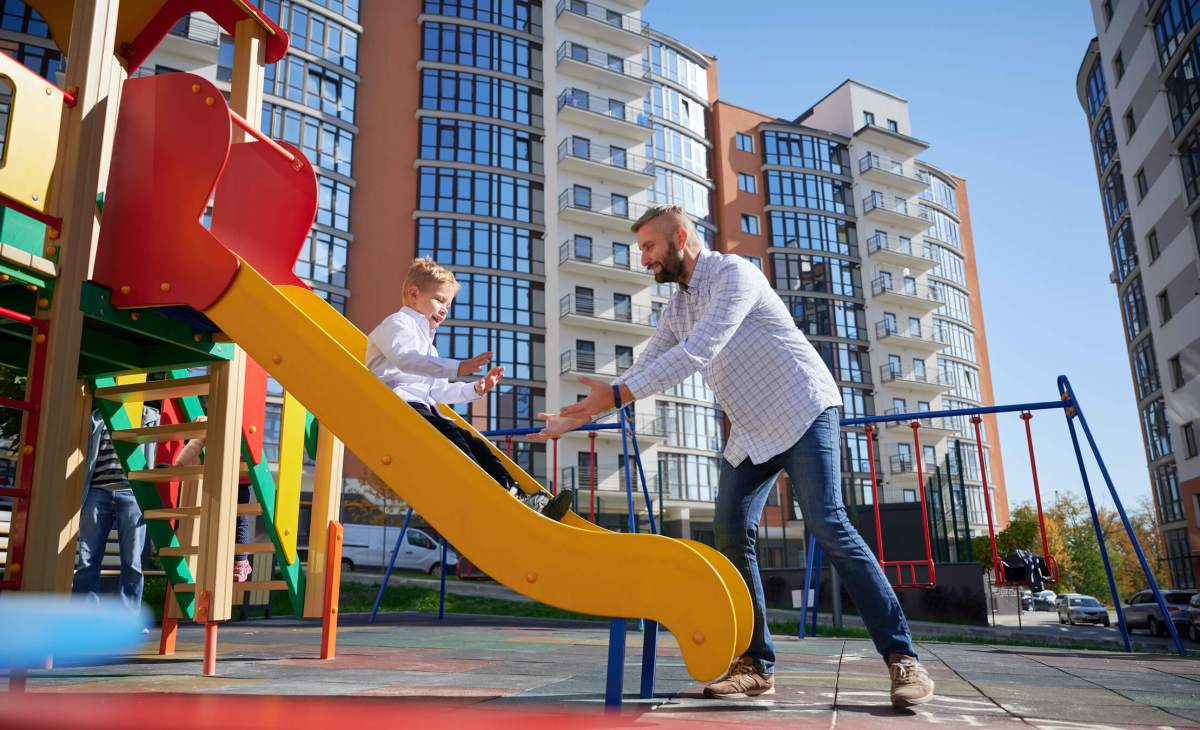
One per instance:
[(411, 670)]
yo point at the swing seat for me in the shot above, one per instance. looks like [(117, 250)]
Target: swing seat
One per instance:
[(1026, 568)]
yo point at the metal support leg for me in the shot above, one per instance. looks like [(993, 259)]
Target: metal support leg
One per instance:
[(613, 687), (442, 596), (391, 564)]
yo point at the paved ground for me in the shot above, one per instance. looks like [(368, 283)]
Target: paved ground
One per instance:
[(534, 665)]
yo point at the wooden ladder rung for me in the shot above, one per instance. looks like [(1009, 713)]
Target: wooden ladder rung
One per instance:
[(168, 432), (190, 473), (155, 389), (171, 513), (179, 551), (260, 585), (252, 547), (250, 508), (184, 587)]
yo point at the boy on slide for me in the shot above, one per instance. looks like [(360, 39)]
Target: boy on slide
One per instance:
[(400, 352)]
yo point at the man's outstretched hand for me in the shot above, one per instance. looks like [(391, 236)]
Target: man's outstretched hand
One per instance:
[(556, 425), (598, 400)]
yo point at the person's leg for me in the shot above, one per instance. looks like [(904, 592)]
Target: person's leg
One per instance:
[(815, 472), (243, 534), (95, 521), (131, 532), (742, 492)]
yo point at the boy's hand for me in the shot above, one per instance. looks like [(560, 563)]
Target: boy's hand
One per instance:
[(489, 381), (466, 367)]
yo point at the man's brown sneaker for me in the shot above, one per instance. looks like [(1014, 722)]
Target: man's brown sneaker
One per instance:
[(911, 684), (742, 680)]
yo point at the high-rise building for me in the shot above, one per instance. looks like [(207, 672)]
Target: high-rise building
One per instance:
[(871, 250), (1137, 85)]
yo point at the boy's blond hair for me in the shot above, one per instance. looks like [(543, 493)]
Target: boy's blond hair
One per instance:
[(425, 274)]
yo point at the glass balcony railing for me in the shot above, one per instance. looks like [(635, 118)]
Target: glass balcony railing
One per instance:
[(607, 61), (604, 15)]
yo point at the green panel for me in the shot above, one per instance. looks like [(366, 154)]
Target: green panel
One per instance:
[(134, 459), (95, 301), (21, 231), (264, 491), (311, 430), (21, 276)]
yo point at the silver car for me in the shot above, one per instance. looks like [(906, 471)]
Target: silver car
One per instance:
[(1075, 608), (1141, 611)]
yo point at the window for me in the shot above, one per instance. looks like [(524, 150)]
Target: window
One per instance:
[(744, 142), (583, 248), (620, 205), (622, 307), (754, 260), (868, 118), (1140, 180), (1119, 66), (746, 183), (899, 405), (1176, 367), (1152, 245), (585, 298), (1130, 125), (750, 224), (620, 254), (1164, 307), (585, 355), (624, 357), (616, 156), (1145, 368), (1189, 438), (910, 495), (581, 147), (582, 196), (893, 125), (1156, 430)]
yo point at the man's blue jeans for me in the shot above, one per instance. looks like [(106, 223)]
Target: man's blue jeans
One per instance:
[(813, 467), (100, 508)]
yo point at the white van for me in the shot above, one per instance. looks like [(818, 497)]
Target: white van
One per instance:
[(370, 546)]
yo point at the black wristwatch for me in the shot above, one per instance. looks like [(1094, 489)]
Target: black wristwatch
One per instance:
[(616, 396)]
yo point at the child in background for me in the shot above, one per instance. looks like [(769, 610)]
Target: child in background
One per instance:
[(401, 353)]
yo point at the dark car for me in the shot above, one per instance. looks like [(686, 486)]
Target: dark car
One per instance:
[(1193, 618), (1141, 611), (1074, 608), (1026, 601), (1043, 601)]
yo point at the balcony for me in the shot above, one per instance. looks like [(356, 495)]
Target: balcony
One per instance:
[(895, 212), (904, 465), (899, 251), (893, 173), (910, 336), (618, 165), (613, 213), (591, 19), (610, 69), (584, 312), (909, 295), (588, 362), (920, 381), (931, 428), (604, 115), (619, 262), (902, 144)]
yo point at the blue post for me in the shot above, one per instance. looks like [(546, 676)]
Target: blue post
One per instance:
[(391, 563), (649, 628), (816, 609), (1064, 387), (616, 665), (812, 551), (637, 458), (442, 597)]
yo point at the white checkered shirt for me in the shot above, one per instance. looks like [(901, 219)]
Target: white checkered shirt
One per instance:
[(731, 326)]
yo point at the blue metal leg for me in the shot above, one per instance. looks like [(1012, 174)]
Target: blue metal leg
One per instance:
[(442, 597), (391, 563), (649, 651), (1064, 384), (816, 604), (812, 551), (613, 688)]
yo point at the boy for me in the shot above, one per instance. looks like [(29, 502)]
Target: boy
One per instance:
[(400, 352)]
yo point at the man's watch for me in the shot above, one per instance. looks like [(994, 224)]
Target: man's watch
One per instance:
[(616, 396)]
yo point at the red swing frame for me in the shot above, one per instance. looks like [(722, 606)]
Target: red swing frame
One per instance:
[(900, 565)]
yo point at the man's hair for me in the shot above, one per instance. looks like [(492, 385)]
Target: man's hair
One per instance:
[(426, 274), (668, 219)]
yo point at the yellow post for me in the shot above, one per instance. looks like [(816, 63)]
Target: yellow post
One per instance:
[(326, 506), (80, 173), (291, 469)]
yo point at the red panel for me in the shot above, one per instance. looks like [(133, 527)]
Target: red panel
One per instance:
[(254, 405), (166, 452), (227, 14), (264, 208), (171, 144)]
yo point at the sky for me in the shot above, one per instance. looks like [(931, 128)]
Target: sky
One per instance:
[(991, 87)]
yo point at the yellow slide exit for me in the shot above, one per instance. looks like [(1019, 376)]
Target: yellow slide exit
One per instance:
[(316, 354)]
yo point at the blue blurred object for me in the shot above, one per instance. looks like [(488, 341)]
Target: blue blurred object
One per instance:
[(69, 629)]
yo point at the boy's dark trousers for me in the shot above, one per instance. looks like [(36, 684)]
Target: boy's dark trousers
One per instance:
[(473, 447)]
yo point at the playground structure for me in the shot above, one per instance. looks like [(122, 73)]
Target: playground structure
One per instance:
[(124, 292)]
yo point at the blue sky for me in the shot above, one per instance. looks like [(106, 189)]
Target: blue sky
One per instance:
[(992, 87)]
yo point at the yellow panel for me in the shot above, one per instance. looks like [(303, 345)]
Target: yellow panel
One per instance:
[(291, 466), (648, 576), (32, 143), (133, 408)]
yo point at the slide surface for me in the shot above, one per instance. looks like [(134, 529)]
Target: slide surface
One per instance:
[(316, 354)]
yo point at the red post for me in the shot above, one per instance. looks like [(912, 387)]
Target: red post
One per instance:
[(874, 491), (592, 476), (987, 501), (170, 626), (554, 470), (333, 583), (508, 446), (1037, 492), (916, 427), (210, 648)]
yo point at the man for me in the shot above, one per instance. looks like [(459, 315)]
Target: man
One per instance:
[(726, 322)]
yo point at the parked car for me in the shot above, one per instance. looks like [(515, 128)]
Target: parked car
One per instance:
[(1141, 610), (1026, 600), (1193, 618), (1043, 601), (1073, 608), (370, 546)]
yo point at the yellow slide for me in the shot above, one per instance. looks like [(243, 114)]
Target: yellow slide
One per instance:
[(317, 355)]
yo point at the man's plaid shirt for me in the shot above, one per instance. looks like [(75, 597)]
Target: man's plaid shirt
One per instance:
[(731, 326)]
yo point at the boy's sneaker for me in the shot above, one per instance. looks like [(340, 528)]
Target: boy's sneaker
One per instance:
[(559, 505), (743, 680), (911, 684)]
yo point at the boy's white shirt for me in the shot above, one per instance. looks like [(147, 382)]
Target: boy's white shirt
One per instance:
[(400, 352)]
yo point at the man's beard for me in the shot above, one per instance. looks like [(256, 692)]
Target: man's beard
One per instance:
[(670, 270)]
